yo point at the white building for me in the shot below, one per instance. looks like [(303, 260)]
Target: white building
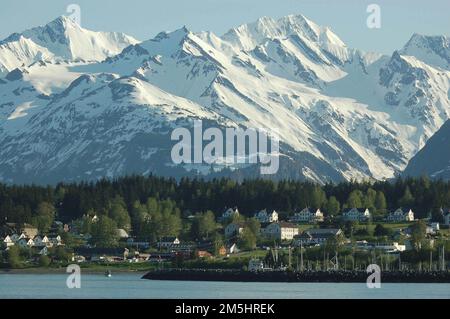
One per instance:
[(280, 231), (8, 242), (307, 216), (263, 217), (234, 229), (401, 216), (356, 214), (233, 249)]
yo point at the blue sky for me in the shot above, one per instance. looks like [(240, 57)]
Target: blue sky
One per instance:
[(145, 18)]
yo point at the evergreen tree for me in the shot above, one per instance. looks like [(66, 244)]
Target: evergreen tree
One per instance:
[(355, 199)]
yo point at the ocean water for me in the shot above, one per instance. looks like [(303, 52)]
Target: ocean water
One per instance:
[(130, 285)]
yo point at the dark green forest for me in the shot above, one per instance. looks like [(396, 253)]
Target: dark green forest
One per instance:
[(25, 203)]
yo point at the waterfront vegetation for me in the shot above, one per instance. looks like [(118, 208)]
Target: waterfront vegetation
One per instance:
[(150, 208)]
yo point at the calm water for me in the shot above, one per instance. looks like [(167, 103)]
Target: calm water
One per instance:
[(131, 286)]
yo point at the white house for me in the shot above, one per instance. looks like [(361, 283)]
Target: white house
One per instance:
[(167, 242), (234, 229), (229, 213), (232, 249), (263, 217), (280, 231), (8, 242), (307, 216), (401, 216), (356, 214)]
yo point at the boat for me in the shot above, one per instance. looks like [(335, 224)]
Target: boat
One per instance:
[(108, 273)]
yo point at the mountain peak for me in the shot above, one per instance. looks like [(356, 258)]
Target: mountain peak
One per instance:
[(62, 23), (431, 49), (248, 36)]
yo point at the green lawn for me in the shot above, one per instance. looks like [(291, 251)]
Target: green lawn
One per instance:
[(393, 226)]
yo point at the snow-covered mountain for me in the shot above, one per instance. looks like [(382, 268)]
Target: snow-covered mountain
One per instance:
[(61, 39), (92, 110)]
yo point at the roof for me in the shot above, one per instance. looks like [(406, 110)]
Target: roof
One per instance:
[(359, 209), (169, 239), (323, 231), (240, 224), (287, 225), (122, 233)]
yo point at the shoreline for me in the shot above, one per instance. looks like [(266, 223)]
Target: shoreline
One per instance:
[(62, 271)]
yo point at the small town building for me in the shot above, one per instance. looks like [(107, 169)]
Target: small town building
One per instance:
[(222, 251), (229, 213), (168, 242), (401, 215), (307, 216), (281, 231), (263, 217), (203, 254), (26, 242), (234, 229), (356, 214), (28, 231), (138, 244), (8, 242), (316, 236)]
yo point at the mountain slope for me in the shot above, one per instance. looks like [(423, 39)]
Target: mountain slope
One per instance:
[(434, 158)]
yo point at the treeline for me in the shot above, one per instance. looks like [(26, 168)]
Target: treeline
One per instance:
[(126, 199)]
